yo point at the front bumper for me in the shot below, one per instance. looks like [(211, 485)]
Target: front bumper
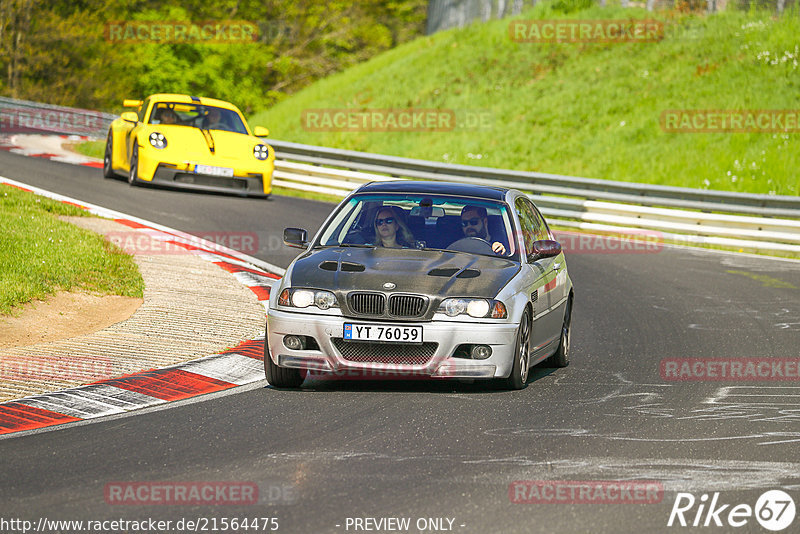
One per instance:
[(252, 184), (327, 330), (162, 169)]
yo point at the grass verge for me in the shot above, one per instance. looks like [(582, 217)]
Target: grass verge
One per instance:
[(580, 109), (41, 254), (93, 149)]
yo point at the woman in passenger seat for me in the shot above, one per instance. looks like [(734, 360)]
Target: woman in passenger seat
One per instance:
[(391, 229)]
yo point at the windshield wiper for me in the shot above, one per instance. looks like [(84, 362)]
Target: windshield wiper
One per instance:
[(353, 245)]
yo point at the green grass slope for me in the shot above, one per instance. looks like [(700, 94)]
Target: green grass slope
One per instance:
[(41, 254), (580, 109)]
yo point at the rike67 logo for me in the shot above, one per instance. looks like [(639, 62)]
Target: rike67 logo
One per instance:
[(774, 510)]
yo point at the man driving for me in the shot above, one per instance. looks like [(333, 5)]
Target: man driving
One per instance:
[(214, 120), (167, 116), (475, 223)]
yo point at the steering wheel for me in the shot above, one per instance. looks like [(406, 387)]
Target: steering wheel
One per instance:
[(473, 245), (354, 237)]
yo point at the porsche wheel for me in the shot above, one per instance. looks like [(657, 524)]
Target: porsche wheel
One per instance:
[(108, 167), (561, 356), (280, 377), (133, 175), (519, 372)]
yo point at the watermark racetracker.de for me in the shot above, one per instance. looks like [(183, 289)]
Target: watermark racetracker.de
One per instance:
[(626, 242), (72, 368), (730, 369), (586, 31), (585, 492), (207, 493), (730, 120), (182, 31), (31, 120), (394, 120), (135, 242)]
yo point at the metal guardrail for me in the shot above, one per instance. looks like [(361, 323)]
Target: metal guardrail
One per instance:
[(643, 194), (22, 116), (761, 222)]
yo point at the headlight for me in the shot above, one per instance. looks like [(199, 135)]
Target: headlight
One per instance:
[(261, 152), (474, 308), (158, 140), (303, 298)]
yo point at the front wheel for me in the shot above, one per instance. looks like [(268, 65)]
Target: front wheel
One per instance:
[(280, 377), (561, 356), (133, 175), (108, 162), (519, 371)]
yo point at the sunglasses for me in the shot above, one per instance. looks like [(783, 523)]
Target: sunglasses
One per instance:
[(470, 222), (381, 222)]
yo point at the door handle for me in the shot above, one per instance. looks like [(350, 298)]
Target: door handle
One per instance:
[(556, 266)]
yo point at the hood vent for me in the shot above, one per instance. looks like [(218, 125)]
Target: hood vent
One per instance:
[(347, 266), (350, 267), (458, 272), (447, 272)]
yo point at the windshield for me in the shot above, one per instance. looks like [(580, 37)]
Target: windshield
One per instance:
[(423, 222), (198, 116)]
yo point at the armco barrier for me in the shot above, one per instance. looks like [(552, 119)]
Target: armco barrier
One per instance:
[(21, 116), (684, 215)]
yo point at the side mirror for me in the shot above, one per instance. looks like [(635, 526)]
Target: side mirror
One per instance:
[(295, 237), (131, 103), (130, 116), (260, 131), (544, 248)]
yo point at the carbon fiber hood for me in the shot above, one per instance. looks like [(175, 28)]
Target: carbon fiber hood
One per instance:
[(434, 273)]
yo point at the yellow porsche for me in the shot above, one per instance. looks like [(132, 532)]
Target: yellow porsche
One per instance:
[(190, 142)]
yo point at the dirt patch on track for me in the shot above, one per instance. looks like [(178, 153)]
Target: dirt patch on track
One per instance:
[(63, 316)]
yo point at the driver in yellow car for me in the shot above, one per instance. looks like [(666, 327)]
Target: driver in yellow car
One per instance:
[(475, 223), (167, 116)]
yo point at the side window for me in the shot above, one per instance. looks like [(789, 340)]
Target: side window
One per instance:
[(143, 110), (544, 230), (528, 221)]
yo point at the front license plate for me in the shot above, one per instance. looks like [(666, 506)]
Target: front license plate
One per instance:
[(213, 171), (387, 333)]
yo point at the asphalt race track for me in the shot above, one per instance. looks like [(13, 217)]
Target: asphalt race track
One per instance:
[(428, 450)]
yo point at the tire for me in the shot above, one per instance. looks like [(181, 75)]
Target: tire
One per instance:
[(133, 175), (522, 355), (280, 377), (108, 162), (561, 357)]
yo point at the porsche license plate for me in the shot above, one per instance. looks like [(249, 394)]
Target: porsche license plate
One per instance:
[(213, 171), (379, 332)]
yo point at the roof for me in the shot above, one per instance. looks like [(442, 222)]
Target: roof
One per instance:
[(435, 188), (190, 99)]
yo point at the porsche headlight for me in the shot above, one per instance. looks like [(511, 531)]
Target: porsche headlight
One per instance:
[(303, 298), (261, 152), (477, 308), (158, 140)]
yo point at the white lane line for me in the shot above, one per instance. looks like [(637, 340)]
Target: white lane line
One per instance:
[(113, 214), (756, 395)]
